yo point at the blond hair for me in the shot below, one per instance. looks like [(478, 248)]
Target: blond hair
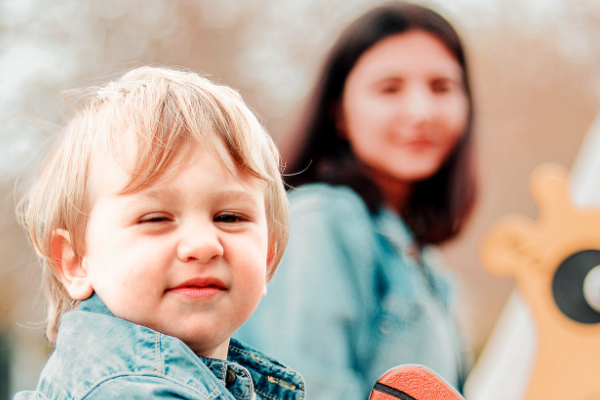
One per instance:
[(169, 111)]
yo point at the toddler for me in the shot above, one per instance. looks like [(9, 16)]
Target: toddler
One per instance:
[(159, 216)]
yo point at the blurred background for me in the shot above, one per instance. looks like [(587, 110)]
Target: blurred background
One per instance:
[(535, 66)]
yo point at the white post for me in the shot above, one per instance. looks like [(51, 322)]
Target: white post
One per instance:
[(503, 368)]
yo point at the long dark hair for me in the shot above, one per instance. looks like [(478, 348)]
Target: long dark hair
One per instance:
[(438, 206)]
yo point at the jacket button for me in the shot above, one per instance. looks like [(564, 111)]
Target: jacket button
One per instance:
[(230, 377)]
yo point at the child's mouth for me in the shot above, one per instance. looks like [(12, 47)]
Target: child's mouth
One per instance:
[(199, 288), (197, 292)]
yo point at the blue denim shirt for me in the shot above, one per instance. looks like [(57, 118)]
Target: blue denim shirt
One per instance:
[(354, 297), (99, 356)]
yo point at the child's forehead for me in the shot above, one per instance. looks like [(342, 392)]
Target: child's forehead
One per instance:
[(127, 160)]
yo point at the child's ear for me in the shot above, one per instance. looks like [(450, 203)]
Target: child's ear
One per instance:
[(271, 252), (72, 273)]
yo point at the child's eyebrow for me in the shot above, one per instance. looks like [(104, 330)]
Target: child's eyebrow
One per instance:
[(154, 194), (238, 196), (170, 196)]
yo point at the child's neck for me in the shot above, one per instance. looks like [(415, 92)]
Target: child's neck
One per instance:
[(220, 352)]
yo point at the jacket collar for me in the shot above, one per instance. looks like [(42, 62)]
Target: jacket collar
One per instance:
[(93, 323)]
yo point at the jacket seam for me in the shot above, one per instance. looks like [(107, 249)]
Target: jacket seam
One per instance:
[(252, 355), (157, 352), (42, 394), (209, 396), (263, 394), (296, 387)]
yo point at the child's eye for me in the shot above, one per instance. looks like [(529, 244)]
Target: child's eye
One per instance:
[(154, 218), (230, 218)]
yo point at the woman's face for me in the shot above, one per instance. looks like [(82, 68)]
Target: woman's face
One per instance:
[(404, 107)]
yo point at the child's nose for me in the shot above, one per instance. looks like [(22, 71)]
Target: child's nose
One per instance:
[(200, 245)]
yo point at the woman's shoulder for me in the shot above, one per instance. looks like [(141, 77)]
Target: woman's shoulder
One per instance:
[(323, 197), (325, 215)]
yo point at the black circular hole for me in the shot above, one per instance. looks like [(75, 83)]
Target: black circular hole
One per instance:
[(567, 286)]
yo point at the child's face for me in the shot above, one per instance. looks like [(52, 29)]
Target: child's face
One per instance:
[(186, 256)]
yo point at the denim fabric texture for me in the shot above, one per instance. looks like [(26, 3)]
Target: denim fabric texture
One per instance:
[(354, 297), (99, 356)]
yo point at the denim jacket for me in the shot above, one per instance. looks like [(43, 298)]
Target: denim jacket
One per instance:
[(99, 356), (354, 297)]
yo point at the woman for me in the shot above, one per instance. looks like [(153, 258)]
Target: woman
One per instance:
[(387, 176)]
